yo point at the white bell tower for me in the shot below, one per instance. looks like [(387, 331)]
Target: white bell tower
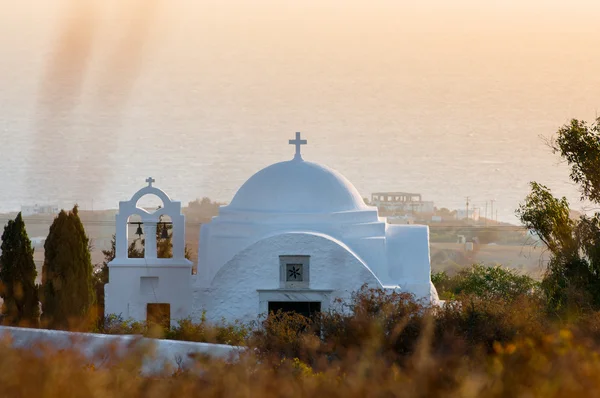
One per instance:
[(150, 287)]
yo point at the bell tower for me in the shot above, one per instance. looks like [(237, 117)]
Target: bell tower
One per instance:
[(149, 288)]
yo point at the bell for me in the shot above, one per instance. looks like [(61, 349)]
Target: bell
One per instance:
[(164, 234), (139, 231)]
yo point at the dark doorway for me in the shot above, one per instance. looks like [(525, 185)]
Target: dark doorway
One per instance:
[(306, 308), (159, 314)]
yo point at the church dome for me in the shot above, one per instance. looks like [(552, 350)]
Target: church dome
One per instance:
[(297, 186)]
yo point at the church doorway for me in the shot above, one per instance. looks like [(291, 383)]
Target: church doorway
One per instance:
[(159, 314), (306, 308)]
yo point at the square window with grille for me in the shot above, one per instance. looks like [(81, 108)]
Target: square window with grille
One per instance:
[(294, 271)]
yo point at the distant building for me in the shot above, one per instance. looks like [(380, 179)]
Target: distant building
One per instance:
[(37, 209), (405, 219), (403, 202), (37, 241)]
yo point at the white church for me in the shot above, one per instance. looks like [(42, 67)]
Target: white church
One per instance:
[(296, 236)]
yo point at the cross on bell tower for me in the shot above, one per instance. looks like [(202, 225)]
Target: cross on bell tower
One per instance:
[(298, 142), (150, 180)]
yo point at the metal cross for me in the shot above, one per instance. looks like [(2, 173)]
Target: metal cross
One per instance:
[(298, 142), (150, 180)]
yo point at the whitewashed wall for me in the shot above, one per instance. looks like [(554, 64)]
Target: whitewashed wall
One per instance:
[(126, 294), (235, 292), (95, 347), (125, 297), (409, 264)]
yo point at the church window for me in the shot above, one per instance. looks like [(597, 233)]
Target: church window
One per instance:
[(294, 271), (148, 284)]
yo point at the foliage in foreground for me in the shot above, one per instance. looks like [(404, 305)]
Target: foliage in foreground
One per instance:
[(390, 346), (185, 329), (483, 310), (390, 326), (386, 325), (555, 366)]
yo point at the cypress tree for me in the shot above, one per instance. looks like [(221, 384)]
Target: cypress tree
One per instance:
[(17, 275), (67, 275)]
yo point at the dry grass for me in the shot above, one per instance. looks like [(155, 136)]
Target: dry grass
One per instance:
[(555, 365), (391, 346)]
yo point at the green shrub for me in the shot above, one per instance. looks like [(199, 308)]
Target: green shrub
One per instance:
[(495, 282), (445, 285)]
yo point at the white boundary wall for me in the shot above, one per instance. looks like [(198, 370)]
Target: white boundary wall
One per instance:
[(96, 347)]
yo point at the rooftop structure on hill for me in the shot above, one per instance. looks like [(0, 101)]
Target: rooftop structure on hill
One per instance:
[(401, 202), (37, 209)]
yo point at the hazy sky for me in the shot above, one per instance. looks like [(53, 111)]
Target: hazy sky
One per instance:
[(414, 85)]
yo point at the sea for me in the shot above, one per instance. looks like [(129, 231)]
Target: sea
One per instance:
[(96, 98)]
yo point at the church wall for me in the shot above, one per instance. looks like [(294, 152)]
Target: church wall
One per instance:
[(136, 282), (372, 251), (216, 248), (254, 217), (127, 295), (203, 251), (221, 240), (409, 264), (235, 292)]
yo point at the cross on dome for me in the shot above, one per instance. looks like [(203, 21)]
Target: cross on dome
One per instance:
[(150, 180), (298, 142)]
